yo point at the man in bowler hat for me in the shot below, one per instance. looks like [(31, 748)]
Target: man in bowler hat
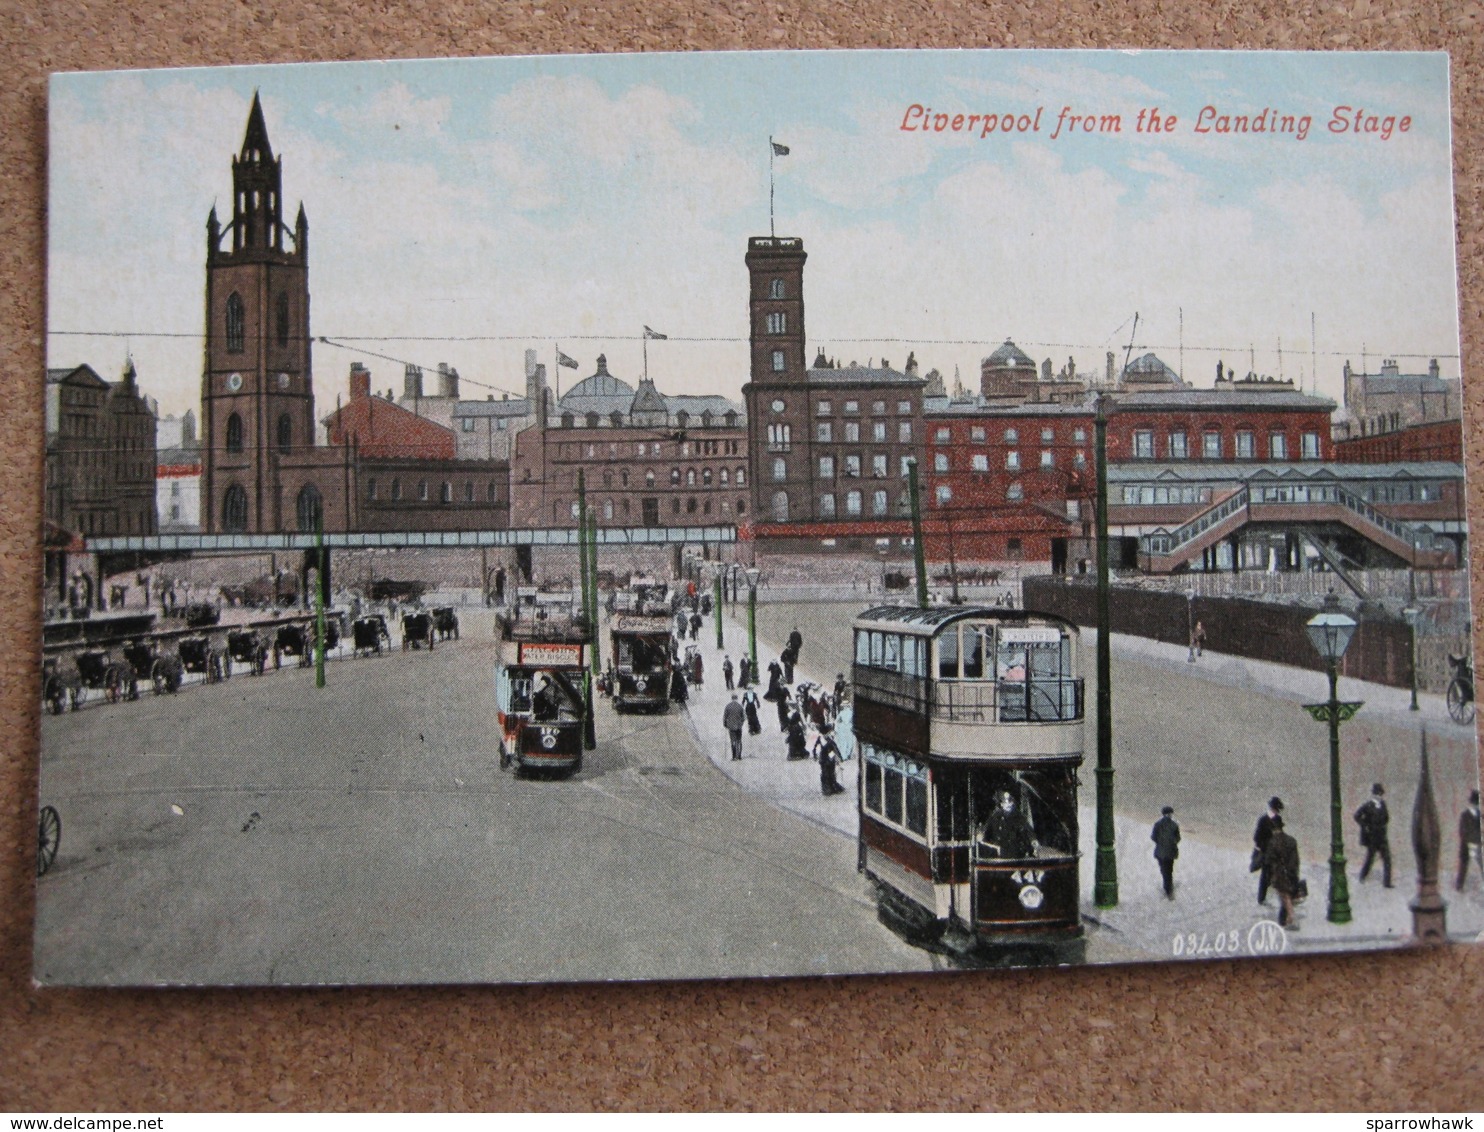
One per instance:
[(1260, 838), (1166, 838), (1469, 839), (1373, 818)]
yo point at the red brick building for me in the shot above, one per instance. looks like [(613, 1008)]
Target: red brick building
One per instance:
[(1438, 440), (381, 429)]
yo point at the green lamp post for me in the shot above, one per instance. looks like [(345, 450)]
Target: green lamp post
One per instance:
[(1330, 632)]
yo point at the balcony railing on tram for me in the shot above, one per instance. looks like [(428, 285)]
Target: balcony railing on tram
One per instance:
[(1041, 699)]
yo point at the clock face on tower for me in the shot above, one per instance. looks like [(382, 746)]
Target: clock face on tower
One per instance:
[(283, 381), (234, 383)]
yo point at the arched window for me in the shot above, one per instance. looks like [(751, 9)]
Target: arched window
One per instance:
[(607, 479), (690, 477), (234, 510), (608, 509), (775, 289), (741, 477), (690, 505), (234, 433), (396, 489), (490, 495), (422, 490), (283, 318), (468, 491), (706, 477), (674, 477), (726, 477), (741, 506), (445, 493), (780, 507), (285, 433), (624, 477), (308, 508), (235, 323), (648, 479), (371, 488)]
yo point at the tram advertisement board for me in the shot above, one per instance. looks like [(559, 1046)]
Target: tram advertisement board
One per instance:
[(1102, 348)]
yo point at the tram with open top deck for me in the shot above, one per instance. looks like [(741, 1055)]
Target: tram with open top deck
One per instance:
[(969, 723), (641, 662), (540, 695)]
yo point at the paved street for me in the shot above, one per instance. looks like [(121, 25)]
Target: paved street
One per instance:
[(262, 830)]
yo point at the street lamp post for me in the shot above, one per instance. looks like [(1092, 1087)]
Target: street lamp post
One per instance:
[(1330, 632), (1412, 614), (718, 571), (752, 574)]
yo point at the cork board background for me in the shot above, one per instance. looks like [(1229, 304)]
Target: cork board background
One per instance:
[(1379, 1032)]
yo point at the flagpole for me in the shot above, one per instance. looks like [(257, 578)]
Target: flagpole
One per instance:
[(556, 369), (646, 353), (772, 230)]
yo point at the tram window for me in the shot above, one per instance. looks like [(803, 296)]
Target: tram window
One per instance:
[(625, 653), (973, 653), (873, 787), (862, 647), (893, 791), (948, 656), (917, 806), (891, 643), (520, 693), (914, 656)]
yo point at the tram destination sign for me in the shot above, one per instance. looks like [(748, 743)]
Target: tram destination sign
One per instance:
[(638, 632)]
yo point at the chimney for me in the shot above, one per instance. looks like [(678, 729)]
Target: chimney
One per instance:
[(602, 363), (448, 381), (530, 363), (1432, 368), (412, 382), (360, 381)]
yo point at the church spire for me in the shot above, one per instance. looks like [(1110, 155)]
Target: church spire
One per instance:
[(257, 177), (255, 145)]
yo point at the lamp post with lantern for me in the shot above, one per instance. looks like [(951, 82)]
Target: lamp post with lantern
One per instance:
[(752, 574), (1330, 632), (1413, 614)]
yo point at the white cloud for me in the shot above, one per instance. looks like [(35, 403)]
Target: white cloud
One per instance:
[(394, 108)]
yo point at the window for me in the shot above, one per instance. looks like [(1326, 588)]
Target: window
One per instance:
[(282, 313), (1211, 446), (234, 433), (235, 324), (649, 479), (779, 437), (1048, 458), (878, 431), (827, 506), (826, 467), (878, 467), (945, 493), (1079, 436), (1012, 460), (1143, 444), (468, 423), (491, 493), (852, 406), (674, 477), (904, 407), (308, 508), (468, 491), (234, 510), (1047, 436), (1177, 447), (690, 477), (878, 406), (422, 490), (979, 462), (741, 477), (780, 506), (1015, 491), (780, 469), (1277, 446), (285, 432), (726, 478), (1012, 548), (940, 462), (396, 490), (1310, 448), (852, 467), (878, 503), (445, 492), (823, 408), (778, 363), (1246, 447), (896, 788), (777, 323), (1079, 461), (852, 432), (1012, 436), (775, 289), (371, 488), (852, 503), (823, 432), (942, 436), (608, 509)]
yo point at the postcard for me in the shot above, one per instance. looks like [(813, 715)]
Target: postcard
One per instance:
[(463, 562)]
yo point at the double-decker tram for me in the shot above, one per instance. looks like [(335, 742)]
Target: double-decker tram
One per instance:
[(969, 724), (640, 672), (540, 695)]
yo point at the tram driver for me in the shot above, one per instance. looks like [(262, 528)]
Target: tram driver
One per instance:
[(1007, 832)]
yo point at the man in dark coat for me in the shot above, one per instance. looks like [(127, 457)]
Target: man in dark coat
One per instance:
[(1282, 862), (790, 657), (1373, 818), (796, 642), (726, 671), (1260, 839), (1007, 832), (839, 697), (828, 754), (1166, 838), (732, 718), (744, 673), (695, 625), (798, 747), (678, 691), (1469, 844)]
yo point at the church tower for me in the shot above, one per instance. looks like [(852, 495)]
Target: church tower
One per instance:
[(257, 396)]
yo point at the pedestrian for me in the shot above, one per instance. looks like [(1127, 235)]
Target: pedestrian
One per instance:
[(785, 709), (796, 642), (1260, 840), (1282, 857), (1373, 818), (1166, 838), (790, 658), (732, 718), (828, 754), (695, 625), (1469, 840), (1198, 639), (749, 705), (775, 690), (796, 743), (839, 696), (727, 670), (697, 668), (744, 673), (678, 691)]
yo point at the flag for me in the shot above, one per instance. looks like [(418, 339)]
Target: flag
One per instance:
[(563, 360), (648, 333), (779, 149)]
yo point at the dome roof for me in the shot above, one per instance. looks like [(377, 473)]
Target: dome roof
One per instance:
[(600, 384), (1010, 356)]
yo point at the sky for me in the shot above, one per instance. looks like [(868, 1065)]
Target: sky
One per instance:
[(462, 211)]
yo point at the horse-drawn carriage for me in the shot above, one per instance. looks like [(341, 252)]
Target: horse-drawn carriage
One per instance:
[(205, 659), (199, 614), (152, 660), (417, 631), (446, 623), (248, 648), (294, 639), (68, 677), (369, 634)]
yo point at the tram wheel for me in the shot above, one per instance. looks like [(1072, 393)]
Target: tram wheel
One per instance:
[(48, 838)]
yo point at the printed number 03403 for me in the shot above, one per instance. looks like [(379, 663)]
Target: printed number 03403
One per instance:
[(1202, 944)]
